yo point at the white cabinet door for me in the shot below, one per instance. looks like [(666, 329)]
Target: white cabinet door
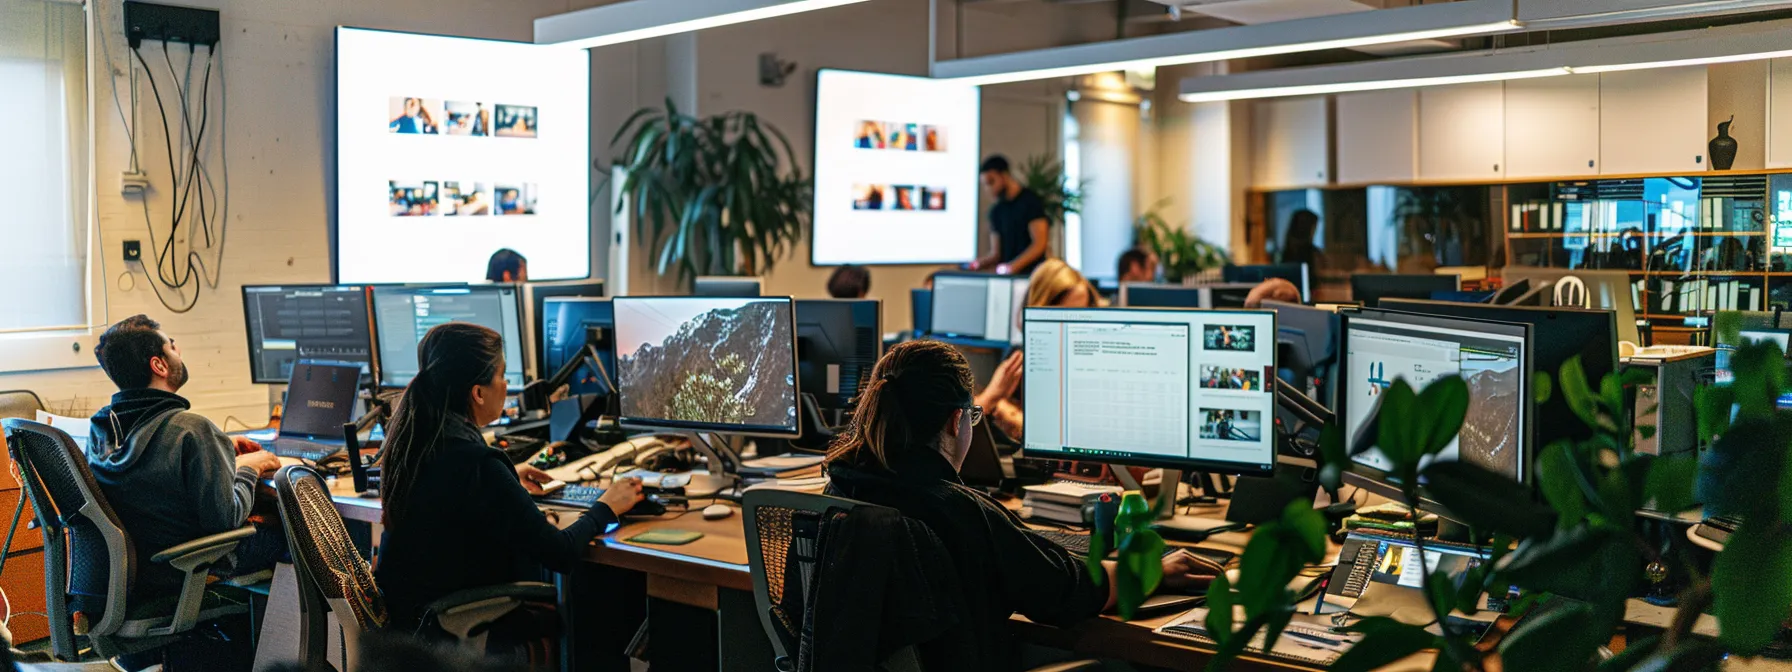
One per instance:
[(1653, 121), (1552, 126), (1289, 144), (1462, 132), (1779, 114), (1378, 136)]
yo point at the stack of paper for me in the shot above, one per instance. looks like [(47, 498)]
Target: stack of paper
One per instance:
[(1062, 502)]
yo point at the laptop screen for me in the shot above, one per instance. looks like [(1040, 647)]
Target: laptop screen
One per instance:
[(320, 399)]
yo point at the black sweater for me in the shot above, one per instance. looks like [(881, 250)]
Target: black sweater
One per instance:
[(1003, 568), (467, 523)]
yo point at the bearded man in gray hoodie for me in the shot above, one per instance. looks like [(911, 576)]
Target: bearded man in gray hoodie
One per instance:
[(170, 474)]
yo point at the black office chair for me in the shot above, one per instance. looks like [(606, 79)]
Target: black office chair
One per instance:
[(334, 578), (20, 404), (782, 525), (89, 564)]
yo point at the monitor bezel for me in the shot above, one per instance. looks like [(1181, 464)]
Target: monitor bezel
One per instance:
[(1184, 464), (1381, 482), (373, 291), (794, 431), (373, 337)]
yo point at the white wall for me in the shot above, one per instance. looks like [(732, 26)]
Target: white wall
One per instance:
[(276, 64)]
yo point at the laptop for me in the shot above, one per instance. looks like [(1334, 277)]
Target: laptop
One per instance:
[(320, 399)]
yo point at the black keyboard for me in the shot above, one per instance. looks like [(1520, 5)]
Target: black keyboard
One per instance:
[(1078, 543), (575, 496)]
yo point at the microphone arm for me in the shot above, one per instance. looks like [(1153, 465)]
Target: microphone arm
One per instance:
[(1298, 403)]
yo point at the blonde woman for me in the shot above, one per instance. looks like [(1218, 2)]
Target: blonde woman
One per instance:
[(1054, 284)]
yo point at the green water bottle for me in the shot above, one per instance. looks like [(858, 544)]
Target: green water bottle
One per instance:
[(1140, 565)]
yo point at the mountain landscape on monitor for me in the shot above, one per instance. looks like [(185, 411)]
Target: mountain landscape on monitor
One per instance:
[(724, 366)]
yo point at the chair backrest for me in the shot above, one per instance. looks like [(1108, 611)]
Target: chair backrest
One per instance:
[(1572, 292), (85, 547), (20, 404), (332, 575), (785, 526)]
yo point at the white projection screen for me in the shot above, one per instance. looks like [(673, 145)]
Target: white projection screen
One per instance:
[(895, 170), (449, 149)]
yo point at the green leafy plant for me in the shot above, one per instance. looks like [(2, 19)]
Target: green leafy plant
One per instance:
[(1576, 542), (1182, 254), (718, 195), (1045, 176)]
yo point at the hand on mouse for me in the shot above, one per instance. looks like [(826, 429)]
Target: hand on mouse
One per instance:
[(624, 493), (532, 478), (1184, 570)]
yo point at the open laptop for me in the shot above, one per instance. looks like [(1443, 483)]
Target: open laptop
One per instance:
[(320, 399)]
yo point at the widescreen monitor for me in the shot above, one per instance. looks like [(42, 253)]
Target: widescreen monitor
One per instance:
[(405, 313), (896, 162), (449, 149), (564, 324), (838, 342), (1183, 389), (709, 364), (1295, 272), (1494, 358), (292, 323), (1370, 288), (978, 306), (727, 285), (1557, 335)]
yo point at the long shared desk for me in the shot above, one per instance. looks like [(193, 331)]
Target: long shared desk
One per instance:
[(712, 574)]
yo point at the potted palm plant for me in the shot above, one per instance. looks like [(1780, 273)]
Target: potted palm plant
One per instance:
[(718, 195)]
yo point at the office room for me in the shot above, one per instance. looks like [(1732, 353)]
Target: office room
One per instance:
[(1033, 335)]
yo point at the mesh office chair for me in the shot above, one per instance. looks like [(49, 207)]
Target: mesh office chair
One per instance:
[(784, 525), (333, 578), (89, 564), (20, 404)]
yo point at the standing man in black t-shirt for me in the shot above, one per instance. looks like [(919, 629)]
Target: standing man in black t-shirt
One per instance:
[(1017, 220)]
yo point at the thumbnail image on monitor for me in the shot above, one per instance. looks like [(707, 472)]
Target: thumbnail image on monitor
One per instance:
[(707, 363)]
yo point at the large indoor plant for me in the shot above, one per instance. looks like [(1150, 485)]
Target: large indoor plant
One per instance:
[(1182, 253), (719, 195), (1575, 543), (1045, 176)]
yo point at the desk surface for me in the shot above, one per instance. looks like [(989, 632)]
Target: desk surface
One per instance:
[(719, 559)]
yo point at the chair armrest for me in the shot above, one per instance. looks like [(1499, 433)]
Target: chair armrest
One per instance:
[(535, 591), (224, 541)]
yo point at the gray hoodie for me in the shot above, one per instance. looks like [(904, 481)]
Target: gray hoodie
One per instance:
[(171, 477)]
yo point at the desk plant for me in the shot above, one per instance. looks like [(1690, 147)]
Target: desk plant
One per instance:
[(1575, 541), (1182, 253), (719, 195)]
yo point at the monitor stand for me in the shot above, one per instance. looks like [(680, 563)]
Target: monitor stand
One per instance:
[(723, 474), (1171, 525)]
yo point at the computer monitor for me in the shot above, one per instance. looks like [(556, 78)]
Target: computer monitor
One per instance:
[(727, 286), (1750, 327), (1370, 288), (1494, 358), (1226, 294), (564, 321), (838, 342), (1182, 389), (404, 313), (722, 364), (1295, 272), (978, 306), (1306, 348), (1152, 295), (1557, 335), (920, 307), (292, 323), (534, 294), (1603, 290)]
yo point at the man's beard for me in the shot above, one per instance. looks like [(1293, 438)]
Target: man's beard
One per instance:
[(177, 375)]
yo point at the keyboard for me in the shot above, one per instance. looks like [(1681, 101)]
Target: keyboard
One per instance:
[(308, 451), (1078, 543), (1719, 528), (575, 496)]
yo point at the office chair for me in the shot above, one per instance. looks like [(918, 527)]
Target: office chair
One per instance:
[(89, 552), (20, 404), (334, 578), (782, 524)]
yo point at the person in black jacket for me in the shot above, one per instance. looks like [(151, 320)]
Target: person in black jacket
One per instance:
[(904, 449), (457, 514)]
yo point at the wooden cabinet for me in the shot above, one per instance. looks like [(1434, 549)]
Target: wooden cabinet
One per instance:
[(1290, 145), (1378, 136), (1552, 126), (1779, 113), (1653, 121), (1462, 132)]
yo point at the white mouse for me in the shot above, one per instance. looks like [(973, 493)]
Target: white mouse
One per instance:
[(717, 511)]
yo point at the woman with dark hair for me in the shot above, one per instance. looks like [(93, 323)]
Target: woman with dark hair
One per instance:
[(456, 515), (1297, 241), (904, 449)]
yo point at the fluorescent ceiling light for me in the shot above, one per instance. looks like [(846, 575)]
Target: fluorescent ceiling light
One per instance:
[(1377, 85), (1343, 31), (643, 19), (1730, 44)]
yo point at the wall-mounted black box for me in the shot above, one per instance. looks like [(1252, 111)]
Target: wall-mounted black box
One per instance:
[(168, 23)]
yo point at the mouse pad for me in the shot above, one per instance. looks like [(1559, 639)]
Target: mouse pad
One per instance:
[(665, 537)]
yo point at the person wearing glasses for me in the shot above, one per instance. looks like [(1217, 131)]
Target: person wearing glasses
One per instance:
[(904, 449)]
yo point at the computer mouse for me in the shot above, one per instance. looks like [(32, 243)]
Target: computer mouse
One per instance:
[(717, 511)]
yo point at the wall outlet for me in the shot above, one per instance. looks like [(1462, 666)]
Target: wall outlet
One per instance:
[(133, 251), (133, 183)]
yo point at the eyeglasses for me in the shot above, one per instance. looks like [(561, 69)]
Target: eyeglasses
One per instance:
[(976, 414)]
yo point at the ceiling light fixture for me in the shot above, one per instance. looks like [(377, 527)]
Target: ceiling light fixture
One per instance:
[(643, 19), (1377, 85)]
